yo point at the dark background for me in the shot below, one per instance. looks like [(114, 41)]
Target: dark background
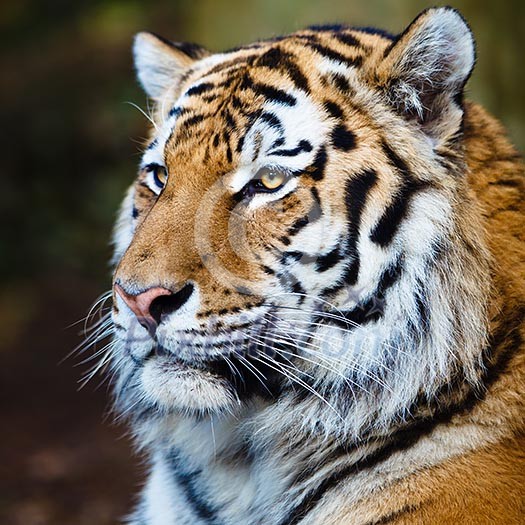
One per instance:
[(70, 143)]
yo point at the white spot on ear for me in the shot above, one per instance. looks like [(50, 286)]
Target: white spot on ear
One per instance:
[(159, 66)]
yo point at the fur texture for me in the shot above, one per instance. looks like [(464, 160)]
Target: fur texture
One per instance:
[(347, 346)]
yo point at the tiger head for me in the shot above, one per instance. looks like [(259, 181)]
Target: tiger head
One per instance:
[(301, 228)]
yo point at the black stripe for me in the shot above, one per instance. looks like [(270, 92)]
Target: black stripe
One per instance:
[(192, 50), (201, 88), (306, 37), (389, 277), (276, 58), (341, 82), (271, 119), (325, 262), (395, 160), (401, 440), (333, 109), (423, 313), (192, 121), (176, 111), (143, 184), (272, 58), (351, 273), (298, 225), (313, 215), (508, 337), (356, 193), (315, 196), (303, 146), (229, 154), (274, 94), (347, 39), (230, 121), (301, 257), (373, 308), (375, 31), (189, 483), (278, 142), (505, 342), (332, 54), (511, 183), (342, 138), (317, 169), (349, 319), (240, 143), (267, 270), (237, 103), (328, 28), (297, 76), (229, 67), (388, 225), (298, 289)]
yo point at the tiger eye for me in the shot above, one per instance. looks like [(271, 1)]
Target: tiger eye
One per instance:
[(160, 176), (271, 178)]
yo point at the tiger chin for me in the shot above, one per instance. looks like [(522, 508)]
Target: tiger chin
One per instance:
[(318, 290)]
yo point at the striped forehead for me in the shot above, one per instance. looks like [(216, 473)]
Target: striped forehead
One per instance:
[(290, 125), (286, 133)]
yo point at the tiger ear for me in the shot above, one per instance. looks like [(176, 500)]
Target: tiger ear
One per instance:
[(160, 63), (425, 70)]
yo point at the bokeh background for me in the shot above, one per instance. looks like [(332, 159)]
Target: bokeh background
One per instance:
[(70, 143)]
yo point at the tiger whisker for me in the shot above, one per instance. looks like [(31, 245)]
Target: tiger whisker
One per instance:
[(148, 117), (339, 328), (321, 365), (292, 377), (345, 362)]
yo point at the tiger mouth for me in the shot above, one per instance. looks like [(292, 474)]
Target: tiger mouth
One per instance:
[(211, 352), (249, 370)]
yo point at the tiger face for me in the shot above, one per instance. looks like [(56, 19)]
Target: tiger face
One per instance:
[(286, 224)]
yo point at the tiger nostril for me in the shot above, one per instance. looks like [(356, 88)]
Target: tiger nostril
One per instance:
[(149, 306), (167, 304)]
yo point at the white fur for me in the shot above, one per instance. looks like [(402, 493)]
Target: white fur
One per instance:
[(158, 67)]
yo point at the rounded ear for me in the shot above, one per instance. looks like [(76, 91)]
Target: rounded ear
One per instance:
[(160, 63), (424, 72)]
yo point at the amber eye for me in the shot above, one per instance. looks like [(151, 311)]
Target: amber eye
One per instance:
[(271, 178), (160, 175)]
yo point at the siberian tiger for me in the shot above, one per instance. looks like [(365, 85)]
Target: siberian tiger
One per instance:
[(318, 288)]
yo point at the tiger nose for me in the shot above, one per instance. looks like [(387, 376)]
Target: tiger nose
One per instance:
[(140, 304), (149, 306)]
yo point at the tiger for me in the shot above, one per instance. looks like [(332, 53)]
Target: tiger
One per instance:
[(318, 288)]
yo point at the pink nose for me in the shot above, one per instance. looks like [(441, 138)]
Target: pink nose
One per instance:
[(140, 304)]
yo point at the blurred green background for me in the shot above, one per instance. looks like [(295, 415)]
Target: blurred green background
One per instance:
[(70, 145)]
